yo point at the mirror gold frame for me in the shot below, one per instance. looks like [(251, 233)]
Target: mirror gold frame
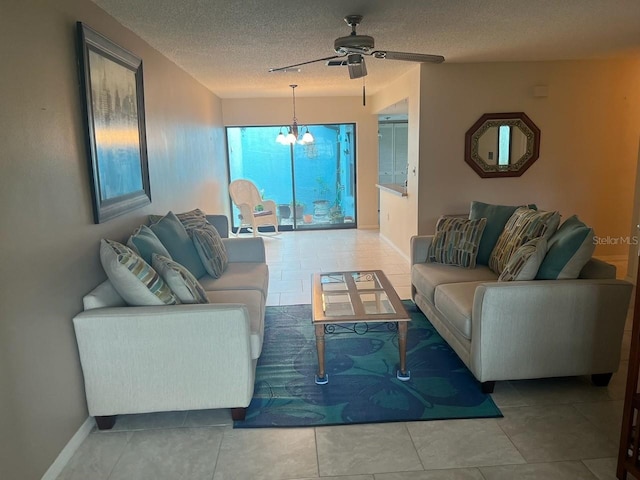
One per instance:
[(519, 155)]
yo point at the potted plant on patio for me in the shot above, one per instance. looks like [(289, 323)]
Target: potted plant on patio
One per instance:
[(321, 205)]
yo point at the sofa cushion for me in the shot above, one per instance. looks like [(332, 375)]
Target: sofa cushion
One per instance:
[(133, 278), (427, 276), (255, 306), (570, 248), (497, 217), (212, 251), (180, 280), (175, 238), (456, 241), (240, 276), (525, 224), (455, 302), (145, 243), (525, 261)]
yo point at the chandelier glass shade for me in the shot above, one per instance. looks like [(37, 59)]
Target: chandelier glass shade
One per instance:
[(293, 133)]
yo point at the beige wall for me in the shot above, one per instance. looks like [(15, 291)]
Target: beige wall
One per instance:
[(49, 252), (279, 111), (399, 215), (590, 123)]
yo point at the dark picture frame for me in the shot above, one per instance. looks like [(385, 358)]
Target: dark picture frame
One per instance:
[(113, 94)]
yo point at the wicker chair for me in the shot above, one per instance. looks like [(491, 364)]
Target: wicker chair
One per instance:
[(255, 212)]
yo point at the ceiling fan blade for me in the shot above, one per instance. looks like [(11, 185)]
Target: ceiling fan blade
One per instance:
[(283, 69), (408, 57)]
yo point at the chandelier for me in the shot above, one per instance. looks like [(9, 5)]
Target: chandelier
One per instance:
[(291, 133)]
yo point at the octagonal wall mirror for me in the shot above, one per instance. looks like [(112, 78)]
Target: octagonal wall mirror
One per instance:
[(502, 144)]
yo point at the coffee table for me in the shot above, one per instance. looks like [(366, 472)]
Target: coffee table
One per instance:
[(355, 301)]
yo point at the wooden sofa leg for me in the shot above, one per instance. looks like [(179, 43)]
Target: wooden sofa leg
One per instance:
[(238, 414), (105, 422), (601, 379), (487, 387)]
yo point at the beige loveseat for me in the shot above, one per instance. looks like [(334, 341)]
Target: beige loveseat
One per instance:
[(138, 359), (508, 330)]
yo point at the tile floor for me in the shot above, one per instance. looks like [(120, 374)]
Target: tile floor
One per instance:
[(552, 429)]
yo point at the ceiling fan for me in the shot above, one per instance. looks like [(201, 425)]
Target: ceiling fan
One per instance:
[(355, 46)]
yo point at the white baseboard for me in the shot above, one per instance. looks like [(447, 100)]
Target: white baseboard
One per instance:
[(395, 247), (368, 227), (70, 448)]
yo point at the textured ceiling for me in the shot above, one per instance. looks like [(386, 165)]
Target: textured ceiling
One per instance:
[(229, 46)]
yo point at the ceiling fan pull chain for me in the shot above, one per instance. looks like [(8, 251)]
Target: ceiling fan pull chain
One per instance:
[(364, 94)]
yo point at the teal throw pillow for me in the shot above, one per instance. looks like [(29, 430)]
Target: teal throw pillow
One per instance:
[(497, 217), (570, 248), (145, 243), (175, 238)]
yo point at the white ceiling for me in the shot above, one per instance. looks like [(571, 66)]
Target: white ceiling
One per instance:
[(229, 46)]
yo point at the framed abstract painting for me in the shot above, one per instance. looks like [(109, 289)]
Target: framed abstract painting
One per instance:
[(112, 89)]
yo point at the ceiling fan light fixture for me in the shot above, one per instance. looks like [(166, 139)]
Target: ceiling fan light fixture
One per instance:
[(356, 66)]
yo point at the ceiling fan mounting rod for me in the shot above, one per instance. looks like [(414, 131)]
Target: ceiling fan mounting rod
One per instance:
[(353, 21)]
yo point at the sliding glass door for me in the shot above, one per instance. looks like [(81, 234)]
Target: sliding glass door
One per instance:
[(312, 185)]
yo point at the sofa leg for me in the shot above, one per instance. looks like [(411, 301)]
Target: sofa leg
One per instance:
[(601, 379), (487, 387), (238, 414), (105, 422)]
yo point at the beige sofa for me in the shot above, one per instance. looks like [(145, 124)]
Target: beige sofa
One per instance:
[(512, 330), (177, 357)]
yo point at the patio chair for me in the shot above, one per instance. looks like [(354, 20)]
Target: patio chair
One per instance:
[(255, 212)]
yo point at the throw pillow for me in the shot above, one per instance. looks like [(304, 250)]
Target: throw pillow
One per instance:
[(210, 248), (175, 238), (145, 243), (456, 241), (133, 278), (525, 224), (187, 218), (497, 217), (570, 248), (525, 261), (180, 281)]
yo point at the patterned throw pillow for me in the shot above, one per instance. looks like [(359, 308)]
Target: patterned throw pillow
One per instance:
[(525, 224), (210, 248), (133, 278), (497, 217), (180, 280), (456, 241), (187, 218), (525, 261)]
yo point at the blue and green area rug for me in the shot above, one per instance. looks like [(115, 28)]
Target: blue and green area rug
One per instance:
[(362, 384)]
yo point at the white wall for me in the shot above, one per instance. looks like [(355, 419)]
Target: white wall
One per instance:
[(48, 241), (399, 215), (278, 111), (590, 125)]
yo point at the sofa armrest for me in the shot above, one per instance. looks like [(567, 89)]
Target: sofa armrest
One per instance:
[(221, 222), (182, 357), (420, 247), (547, 328), (245, 249)]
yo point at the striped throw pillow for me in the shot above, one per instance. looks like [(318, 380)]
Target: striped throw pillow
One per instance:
[(525, 224), (133, 278), (209, 246), (525, 261), (180, 280), (456, 241)]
